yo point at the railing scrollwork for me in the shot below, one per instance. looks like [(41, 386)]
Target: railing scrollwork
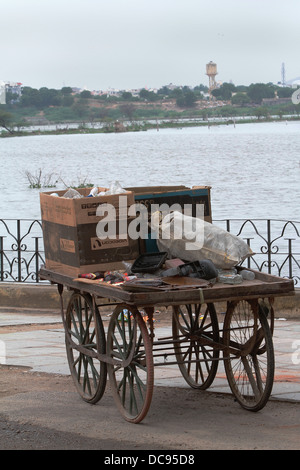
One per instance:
[(276, 244), (21, 245)]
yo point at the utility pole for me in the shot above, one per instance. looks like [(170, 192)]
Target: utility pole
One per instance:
[(283, 74)]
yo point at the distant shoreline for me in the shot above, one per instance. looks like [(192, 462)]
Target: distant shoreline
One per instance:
[(119, 127)]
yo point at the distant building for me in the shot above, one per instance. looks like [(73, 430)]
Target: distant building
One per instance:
[(271, 101), (172, 87), (112, 92), (294, 83), (2, 93), (14, 88), (76, 90), (134, 91), (10, 87)]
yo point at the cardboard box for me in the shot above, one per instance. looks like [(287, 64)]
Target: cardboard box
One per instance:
[(175, 195), (70, 233), (153, 195)]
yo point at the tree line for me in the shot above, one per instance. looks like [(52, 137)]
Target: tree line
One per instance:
[(252, 94), (63, 105), (185, 96), (45, 97)]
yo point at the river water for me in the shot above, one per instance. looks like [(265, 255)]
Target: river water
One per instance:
[(253, 169)]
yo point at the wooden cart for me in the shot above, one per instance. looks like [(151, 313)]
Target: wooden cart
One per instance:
[(128, 351)]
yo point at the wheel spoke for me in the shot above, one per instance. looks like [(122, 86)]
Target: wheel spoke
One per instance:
[(194, 335), (131, 380), (250, 375), (249, 358), (85, 337)]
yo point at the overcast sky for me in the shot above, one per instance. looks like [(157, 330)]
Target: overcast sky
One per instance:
[(124, 44)]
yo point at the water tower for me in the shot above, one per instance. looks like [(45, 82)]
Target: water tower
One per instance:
[(211, 71), (283, 74)]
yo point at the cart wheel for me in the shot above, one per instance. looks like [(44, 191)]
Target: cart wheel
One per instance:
[(195, 328), (85, 338), (248, 354), (131, 375)]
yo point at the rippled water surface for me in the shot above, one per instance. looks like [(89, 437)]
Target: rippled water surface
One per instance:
[(253, 169)]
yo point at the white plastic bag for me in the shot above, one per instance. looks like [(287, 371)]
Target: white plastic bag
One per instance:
[(72, 194), (115, 188), (194, 239)]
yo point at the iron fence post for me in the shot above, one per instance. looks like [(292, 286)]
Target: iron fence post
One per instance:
[(290, 256), (1, 259), (249, 258), (228, 225), (19, 250), (36, 254), (269, 243)]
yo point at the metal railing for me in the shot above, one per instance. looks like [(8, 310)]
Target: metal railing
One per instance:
[(276, 244), (21, 250)]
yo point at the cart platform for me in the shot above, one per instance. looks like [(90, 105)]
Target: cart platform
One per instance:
[(201, 337), (264, 285)]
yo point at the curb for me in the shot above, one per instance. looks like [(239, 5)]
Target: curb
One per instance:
[(31, 296), (46, 297), (286, 307)]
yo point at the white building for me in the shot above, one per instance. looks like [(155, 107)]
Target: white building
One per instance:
[(2, 93), (10, 87), (294, 83)]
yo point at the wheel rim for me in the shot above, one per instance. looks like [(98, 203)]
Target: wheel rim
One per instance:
[(248, 354), (84, 339), (195, 328), (131, 375)]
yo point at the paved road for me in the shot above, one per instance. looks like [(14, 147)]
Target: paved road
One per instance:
[(40, 408), (43, 411)]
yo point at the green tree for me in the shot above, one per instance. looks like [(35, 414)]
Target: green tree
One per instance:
[(284, 92), (258, 91), (241, 88), (240, 99), (201, 88), (224, 92), (67, 100), (148, 95), (11, 98), (165, 91), (5, 120), (186, 99), (126, 95), (80, 109), (128, 110), (261, 111), (49, 97), (85, 94), (177, 93), (190, 98), (30, 97), (66, 90)]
